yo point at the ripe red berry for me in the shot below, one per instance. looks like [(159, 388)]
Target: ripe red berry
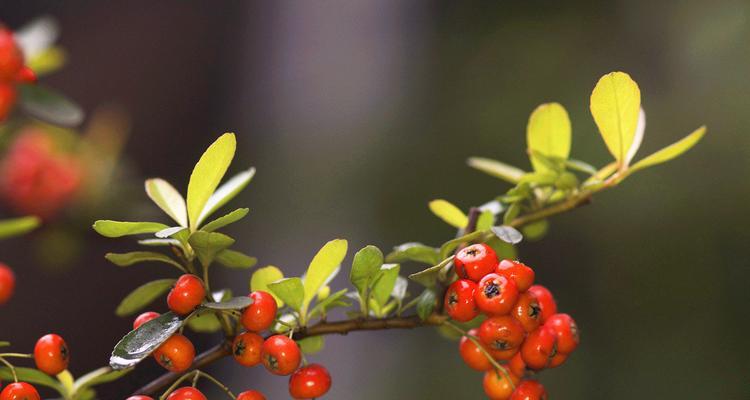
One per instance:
[(26, 75), (251, 395), (475, 261), (557, 360), (7, 100), (519, 272), (546, 302), (143, 318), (517, 365), (309, 382), (281, 355), (51, 354), (187, 293), (139, 397), (176, 354), (261, 314), (529, 390), (7, 283), (499, 384), (187, 393), (566, 330), (11, 58), (246, 349), (472, 354), (496, 294), (539, 348), (502, 335), (460, 301), (527, 311), (19, 391)]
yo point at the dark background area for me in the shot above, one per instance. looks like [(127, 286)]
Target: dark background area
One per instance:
[(356, 114)]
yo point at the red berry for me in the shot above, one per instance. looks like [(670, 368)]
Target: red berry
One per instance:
[(539, 348), (251, 395), (519, 272), (475, 261), (176, 354), (557, 360), (281, 355), (499, 384), (566, 330), (546, 301), (187, 393), (529, 390), (502, 335), (472, 354), (11, 58), (527, 311), (51, 354), (261, 314), (7, 283), (143, 318), (460, 301), (19, 391), (26, 75), (246, 349), (517, 365), (496, 294), (187, 293), (7, 100), (309, 382), (140, 397)]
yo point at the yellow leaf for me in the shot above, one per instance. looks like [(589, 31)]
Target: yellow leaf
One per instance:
[(262, 277), (449, 213), (497, 169), (207, 174), (548, 133), (671, 151), (615, 103)]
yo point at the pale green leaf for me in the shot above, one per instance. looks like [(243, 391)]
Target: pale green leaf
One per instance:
[(366, 264), (143, 296), (323, 265), (169, 232), (262, 277), (507, 234), (332, 301), (449, 213), (127, 259), (32, 376), (115, 229), (426, 303), (204, 321), (207, 174), (168, 199), (208, 244), (615, 104), (17, 226), (384, 283), (548, 132), (497, 169), (311, 344), (290, 291), (225, 193), (235, 259), (230, 218), (670, 152), (413, 251), (485, 221), (428, 277), (235, 303)]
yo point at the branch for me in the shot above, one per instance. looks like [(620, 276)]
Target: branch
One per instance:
[(322, 328)]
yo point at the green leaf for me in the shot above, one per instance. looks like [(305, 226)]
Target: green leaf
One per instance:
[(32, 376), (4, 343), (507, 234), (451, 245), (535, 230), (426, 303), (230, 218), (399, 289), (49, 105), (235, 259), (449, 213), (428, 277), (670, 152), (207, 174), (127, 259), (485, 221), (159, 242), (581, 166), (235, 303), (113, 229), (384, 283), (208, 244), (323, 265), (168, 199), (332, 301), (312, 344), (548, 132), (511, 213), (615, 104), (226, 192), (17, 226), (204, 321), (140, 343), (143, 296), (97, 377), (366, 264), (414, 251), (169, 232), (262, 277), (497, 169), (290, 291)]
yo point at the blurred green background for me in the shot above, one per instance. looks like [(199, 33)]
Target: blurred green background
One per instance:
[(357, 113)]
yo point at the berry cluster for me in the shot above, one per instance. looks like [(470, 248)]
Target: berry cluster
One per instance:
[(279, 354), (522, 332), (12, 71), (51, 356)]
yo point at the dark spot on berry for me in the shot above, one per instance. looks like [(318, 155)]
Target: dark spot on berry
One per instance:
[(239, 348), (452, 298), (500, 345), (534, 310), (491, 290)]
